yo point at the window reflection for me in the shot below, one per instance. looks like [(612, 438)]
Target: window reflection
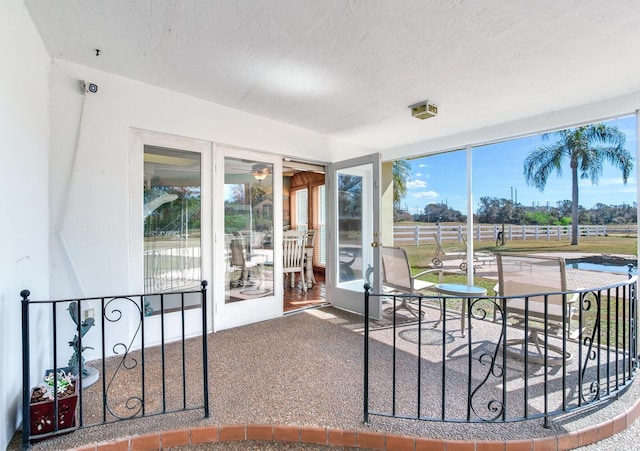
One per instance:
[(171, 209), (248, 209), (349, 226)]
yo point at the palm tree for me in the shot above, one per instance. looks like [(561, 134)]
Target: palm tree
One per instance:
[(586, 148), (401, 174)]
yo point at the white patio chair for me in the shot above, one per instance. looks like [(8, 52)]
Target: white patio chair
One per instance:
[(448, 253), (293, 246), (396, 276), (528, 277)]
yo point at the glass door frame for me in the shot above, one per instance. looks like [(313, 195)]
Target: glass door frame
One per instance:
[(228, 315), (138, 140), (352, 298)]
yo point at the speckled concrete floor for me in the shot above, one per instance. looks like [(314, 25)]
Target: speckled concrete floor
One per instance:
[(302, 369)]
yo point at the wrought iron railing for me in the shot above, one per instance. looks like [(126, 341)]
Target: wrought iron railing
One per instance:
[(140, 365), (420, 366)]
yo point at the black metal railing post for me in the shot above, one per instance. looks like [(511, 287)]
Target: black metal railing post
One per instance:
[(467, 302), (80, 363), (184, 356), (26, 370), (163, 361), (367, 287), (54, 352), (205, 353)]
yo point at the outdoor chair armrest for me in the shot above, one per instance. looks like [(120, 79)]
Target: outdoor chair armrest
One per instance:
[(496, 292), (438, 270)]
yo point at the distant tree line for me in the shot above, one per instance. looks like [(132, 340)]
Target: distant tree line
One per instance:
[(439, 213), (493, 210)]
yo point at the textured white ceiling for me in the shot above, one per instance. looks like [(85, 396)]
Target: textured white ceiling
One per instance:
[(349, 69)]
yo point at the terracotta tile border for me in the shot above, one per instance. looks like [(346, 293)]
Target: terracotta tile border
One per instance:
[(145, 442), (365, 439), (204, 434), (173, 439)]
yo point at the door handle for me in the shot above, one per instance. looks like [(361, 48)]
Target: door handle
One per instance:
[(374, 244)]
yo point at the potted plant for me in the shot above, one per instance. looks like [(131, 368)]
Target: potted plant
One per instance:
[(42, 407)]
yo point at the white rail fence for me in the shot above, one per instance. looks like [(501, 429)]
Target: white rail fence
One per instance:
[(425, 234)]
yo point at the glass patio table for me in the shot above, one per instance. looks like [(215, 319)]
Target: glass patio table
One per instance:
[(466, 292)]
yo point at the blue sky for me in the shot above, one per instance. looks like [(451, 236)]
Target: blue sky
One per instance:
[(498, 171)]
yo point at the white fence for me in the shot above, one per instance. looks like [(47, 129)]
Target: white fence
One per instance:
[(425, 234)]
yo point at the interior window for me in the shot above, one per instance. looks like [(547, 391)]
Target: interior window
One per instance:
[(301, 209)]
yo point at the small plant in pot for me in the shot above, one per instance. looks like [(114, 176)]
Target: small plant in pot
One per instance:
[(42, 408)]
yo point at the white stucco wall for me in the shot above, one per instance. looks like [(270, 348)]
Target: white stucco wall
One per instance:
[(90, 185), (24, 145), (90, 188)]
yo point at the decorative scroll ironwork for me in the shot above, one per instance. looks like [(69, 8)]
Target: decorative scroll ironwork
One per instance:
[(503, 387), (494, 407), (133, 403), (592, 392), (115, 405)]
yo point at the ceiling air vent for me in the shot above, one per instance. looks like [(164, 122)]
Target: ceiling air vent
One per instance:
[(424, 110)]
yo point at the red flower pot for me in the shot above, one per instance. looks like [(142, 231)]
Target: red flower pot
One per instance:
[(41, 415)]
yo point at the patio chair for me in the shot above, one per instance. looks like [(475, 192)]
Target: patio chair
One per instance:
[(481, 257), (240, 260), (448, 253), (293, 246), (523, 278), (396, 276)]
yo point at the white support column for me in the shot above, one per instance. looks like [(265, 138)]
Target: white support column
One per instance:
[(470, 270), (637, 192)]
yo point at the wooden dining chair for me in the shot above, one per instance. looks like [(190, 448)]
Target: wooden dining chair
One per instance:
[(294, 249)]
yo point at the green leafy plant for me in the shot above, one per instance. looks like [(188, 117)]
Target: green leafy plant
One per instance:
[(63, 382)]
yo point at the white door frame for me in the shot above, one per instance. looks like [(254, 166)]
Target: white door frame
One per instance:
[(350, 295)]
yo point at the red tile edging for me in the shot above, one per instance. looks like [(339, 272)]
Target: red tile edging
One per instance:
[(364, 439)]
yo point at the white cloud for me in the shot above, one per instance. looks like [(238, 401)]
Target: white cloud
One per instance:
[(615, 181), (427, 194), (416, 184), (419, 174), (422, 165)]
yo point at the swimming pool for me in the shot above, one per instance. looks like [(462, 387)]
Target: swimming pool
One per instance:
[(603, 264)]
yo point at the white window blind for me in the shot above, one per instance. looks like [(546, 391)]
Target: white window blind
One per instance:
[(320, 224), (302, 214)]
